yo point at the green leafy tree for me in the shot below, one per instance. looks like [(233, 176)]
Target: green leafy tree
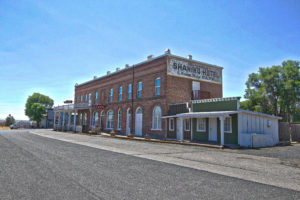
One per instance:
[(36, 106), (9, 120), (274, 90)]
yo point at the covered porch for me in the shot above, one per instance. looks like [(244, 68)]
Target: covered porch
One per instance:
[(72, 117), (205, 127)]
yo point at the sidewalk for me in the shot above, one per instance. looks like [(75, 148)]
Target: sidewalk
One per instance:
[(185, 142)]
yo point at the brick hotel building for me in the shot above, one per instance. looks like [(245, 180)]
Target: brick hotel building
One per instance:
[(135, 99)]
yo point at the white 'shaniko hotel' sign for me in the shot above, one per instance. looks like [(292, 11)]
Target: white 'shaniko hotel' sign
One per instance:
[(194, 71)]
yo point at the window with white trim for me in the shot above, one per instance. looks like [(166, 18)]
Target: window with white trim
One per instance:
[(86, 98), (119, 119), (95, 119), (201, 124), (111, 93), (110, 120), (84, 119), (186, 124), (171, 124), (227, 125), (120, 93), (102, 116), (77, 99), (139, 90), (156, 118), (157, 86), (129, 91), (96, 98)]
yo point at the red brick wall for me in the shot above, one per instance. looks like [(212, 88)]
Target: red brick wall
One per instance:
[(173, 90)]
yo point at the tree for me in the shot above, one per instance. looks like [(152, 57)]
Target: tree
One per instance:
[(36, 106), (274, 90), (9, 120)]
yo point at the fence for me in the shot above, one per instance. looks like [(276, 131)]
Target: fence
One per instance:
[(284, 134)]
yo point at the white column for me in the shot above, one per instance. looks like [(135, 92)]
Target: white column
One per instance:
[(69, 120), (181, 128), (192, 130), (63, 122), (222, 129), (54, 124), (74, 124)]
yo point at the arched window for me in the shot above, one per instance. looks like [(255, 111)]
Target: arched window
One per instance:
[(120, 119), (156, 118), (110, 120), (102, 116), (95, 119)]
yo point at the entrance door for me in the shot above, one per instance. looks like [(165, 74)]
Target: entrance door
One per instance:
[(213, 129), (128, 122), (138, 122)]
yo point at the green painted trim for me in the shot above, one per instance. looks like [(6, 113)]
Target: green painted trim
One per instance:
[(216, 106)]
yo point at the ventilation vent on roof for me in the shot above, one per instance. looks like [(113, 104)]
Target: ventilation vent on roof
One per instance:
[(167, 51), (118, 69), (127, 65), (190, 57), (108, 72), (150, 57)]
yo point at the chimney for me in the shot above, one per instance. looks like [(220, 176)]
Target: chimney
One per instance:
[(95, 77), (108, 73), (150, 57), (118, 69), (127, 65), (190, 57), (167, 51)]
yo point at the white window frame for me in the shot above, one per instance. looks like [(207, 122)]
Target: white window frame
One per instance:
[(111, 95), (96, 98), (159, 121), (107, 120), (170, 128), (184, 124), (157, 87), (204, 121), (139, 90), (120, 93), (119, 126), (129, 91), (230, 125)]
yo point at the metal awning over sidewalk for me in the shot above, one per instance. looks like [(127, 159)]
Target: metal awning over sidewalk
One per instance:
[(202, 114)]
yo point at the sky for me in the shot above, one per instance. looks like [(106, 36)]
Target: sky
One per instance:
[(48, 46)]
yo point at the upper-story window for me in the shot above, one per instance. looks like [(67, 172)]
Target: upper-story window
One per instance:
[(129, 91), (120, 93), (77, 99), (81, 99), (157, 86), (85, 99), (111, 93), (96, 97), (90, 98), (139, 90)]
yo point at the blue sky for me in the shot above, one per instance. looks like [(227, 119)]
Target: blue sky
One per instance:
[(49, 46)]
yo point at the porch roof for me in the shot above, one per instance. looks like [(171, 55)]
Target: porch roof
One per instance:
[(202, 114)]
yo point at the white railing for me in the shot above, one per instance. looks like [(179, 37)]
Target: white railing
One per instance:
[(64, 107)]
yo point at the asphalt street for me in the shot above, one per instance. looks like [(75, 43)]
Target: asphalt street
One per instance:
[(36, 167)]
